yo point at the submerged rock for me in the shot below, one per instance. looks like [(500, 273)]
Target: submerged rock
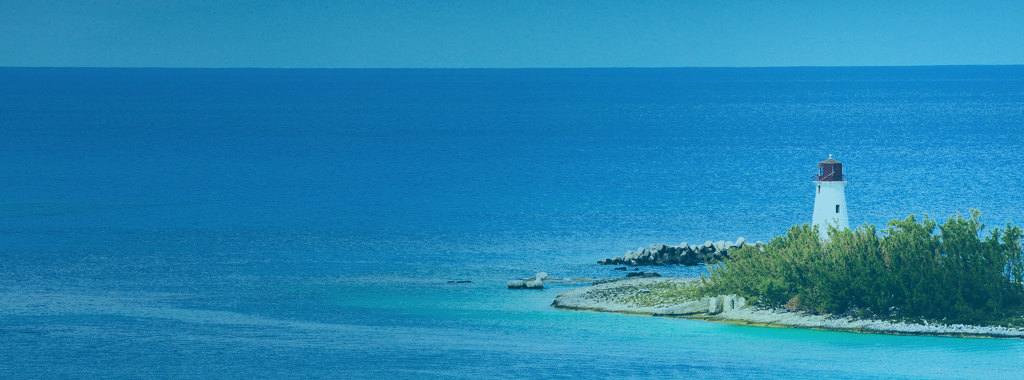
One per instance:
[(642, 274), (535, 284)]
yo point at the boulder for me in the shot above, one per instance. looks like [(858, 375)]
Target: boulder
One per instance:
[(727, 303), (720, 245), (516, 284), (740, 242), (620, 268), (714, 306), (739, 303), (535, 284), (541, 276)]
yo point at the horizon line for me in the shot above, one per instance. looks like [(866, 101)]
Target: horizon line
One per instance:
[(497, 68)]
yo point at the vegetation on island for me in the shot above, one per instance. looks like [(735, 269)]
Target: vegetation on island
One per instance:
[(912, 269)]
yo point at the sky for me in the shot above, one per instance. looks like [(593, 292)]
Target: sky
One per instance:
[(520, 33)]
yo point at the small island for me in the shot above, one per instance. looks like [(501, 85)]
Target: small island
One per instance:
[(913, 277)]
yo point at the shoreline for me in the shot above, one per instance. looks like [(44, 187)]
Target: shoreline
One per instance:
[(647, 297)]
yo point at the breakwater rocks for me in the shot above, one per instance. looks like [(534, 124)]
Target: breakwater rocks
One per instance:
[(684, 254)]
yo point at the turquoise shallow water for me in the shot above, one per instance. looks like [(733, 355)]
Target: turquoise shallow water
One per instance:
[(303, 223)]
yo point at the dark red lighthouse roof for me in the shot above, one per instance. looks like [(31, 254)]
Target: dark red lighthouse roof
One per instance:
[(830, 170)]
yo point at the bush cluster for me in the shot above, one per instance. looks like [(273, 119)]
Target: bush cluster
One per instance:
[(912, 269)]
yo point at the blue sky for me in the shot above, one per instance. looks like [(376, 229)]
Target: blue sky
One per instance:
[(526, 33)]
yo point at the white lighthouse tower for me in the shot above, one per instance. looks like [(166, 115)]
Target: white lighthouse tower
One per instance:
[(830, 197)]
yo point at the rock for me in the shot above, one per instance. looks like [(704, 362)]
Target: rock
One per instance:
[(541, 276), (516, 284), (727, 303), (535, 284), (459, 281), (691, 307), (684, 246), (602, 261), (720, 245), (714, 307), (739, 303), (607, 280), (643, 291), (740, 242), (620, 268)]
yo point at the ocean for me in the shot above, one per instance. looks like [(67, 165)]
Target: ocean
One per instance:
[(274, 223)]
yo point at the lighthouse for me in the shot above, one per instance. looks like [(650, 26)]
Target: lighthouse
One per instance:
[(830, 197)]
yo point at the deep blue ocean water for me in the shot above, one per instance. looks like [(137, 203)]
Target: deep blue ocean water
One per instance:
[(303, 223)]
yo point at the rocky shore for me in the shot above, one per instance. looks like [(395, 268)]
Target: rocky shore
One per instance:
[(665, 296), (683, 254)]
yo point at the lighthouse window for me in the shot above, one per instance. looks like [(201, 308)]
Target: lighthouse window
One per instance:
[(837, 209)]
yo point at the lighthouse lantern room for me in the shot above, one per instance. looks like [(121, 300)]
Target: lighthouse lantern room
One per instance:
[(830, 197)]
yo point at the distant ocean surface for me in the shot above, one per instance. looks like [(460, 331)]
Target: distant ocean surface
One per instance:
[(304, 223)]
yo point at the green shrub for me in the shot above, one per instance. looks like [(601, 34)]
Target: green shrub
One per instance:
[(911, 269)]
